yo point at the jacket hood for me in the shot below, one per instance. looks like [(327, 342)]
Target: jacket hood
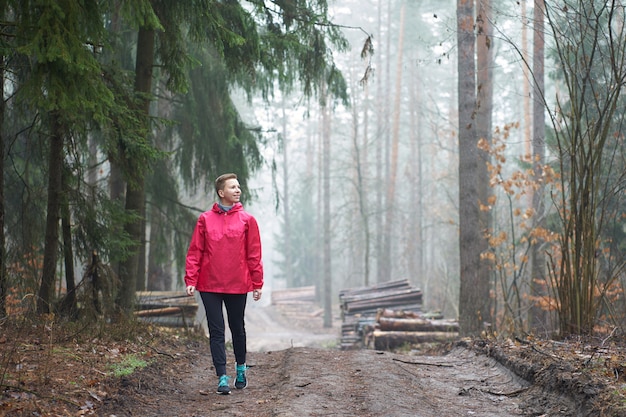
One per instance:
[(237, 207)]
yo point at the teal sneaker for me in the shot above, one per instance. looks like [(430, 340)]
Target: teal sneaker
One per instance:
[(241, 381), (223, 387)]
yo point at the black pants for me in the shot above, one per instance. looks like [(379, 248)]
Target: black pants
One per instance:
[(235, 310)]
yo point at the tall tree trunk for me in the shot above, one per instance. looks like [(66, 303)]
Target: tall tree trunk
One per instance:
[(116, 183), (159, 273), (538, 317), (393, 161), (360, 168), (160, 243), (70, 306), (474, 294), (286, 199), (313, 152), (55, 184), (326, 159), (526, 81), (415, 238), (129, 267), (140, 283), (135, 190), (4, 285), (353, 246), (364, 196), (381, 133), (320, 226), (484, 92)]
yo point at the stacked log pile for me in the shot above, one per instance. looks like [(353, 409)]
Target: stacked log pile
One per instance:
[(389, 315), (393, 329), (166, 308), (359, 307)]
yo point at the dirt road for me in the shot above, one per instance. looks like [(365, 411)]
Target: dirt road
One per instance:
[(314, 382), (291, 374)]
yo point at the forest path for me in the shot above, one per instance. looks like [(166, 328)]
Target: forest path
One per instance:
[(291, 374)]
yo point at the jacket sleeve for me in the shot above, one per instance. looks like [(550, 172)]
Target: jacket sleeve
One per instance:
[(255, 262), (194, 254)]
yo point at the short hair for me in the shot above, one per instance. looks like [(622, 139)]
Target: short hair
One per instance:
[(220, 182)]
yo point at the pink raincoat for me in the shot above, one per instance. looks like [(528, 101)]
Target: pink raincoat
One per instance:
[(224, 255)]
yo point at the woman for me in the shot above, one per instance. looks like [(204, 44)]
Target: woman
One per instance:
[(223, 265)]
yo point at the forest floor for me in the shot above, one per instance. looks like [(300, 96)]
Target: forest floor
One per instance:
[(296, 370)]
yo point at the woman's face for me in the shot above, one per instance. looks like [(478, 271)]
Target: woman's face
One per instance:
[(231, 192)]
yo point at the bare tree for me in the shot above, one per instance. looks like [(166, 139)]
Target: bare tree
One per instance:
[(590, 44), (393, 162), (538, 317)]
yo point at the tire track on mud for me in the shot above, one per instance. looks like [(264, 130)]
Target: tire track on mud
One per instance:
[(317, 382)]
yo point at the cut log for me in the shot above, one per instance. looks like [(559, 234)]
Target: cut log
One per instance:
[(381, 340), (400, 292), (417, 325), (400, 314), (153, 312), (385, 286), (381, 300), (161, 294)]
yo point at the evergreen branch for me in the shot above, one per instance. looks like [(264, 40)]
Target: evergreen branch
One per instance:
[(298, 14), (178, 203)]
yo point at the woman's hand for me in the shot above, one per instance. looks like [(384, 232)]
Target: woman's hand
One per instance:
[(191, 289), (256, 294)]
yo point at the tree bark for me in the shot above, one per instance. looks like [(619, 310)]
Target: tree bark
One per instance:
[(135, 189), (328, 314), (390, 196), (159, 272), (286, 200), (363, 195), (4, 285), (55, 184), (526, 83), (70, 306), (360, 147), (380, 139), (415, 231), (474, 291), (484, 111), (538, 317)]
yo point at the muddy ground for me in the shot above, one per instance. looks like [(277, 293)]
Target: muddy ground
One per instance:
[(296, 370)]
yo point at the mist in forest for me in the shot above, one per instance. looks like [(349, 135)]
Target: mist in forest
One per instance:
[(474, 149), (390, 158), (400, 120)]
